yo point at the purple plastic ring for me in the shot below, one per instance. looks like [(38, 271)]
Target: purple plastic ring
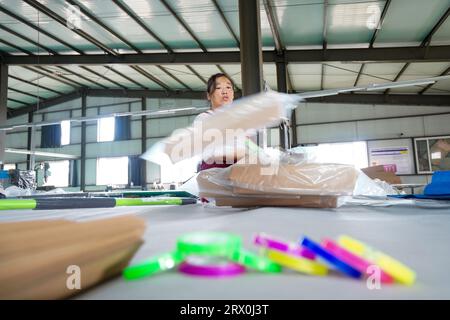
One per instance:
[(210, 267), (292, 248)]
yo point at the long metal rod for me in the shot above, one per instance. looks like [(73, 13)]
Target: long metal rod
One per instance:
[(3, 107), (83, 143), (143, 144), (29, 141)]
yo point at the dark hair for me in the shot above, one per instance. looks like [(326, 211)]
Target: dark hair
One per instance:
[(210, 87)]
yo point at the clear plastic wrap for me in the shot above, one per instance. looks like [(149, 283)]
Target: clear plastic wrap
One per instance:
[(286, 179), (227, 127)]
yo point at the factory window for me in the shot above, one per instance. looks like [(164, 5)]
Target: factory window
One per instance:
[(112, 171), (354, 153), (432, 154), (9, 166), (179, 172), (105, 129), (57, 174), (65, 132)]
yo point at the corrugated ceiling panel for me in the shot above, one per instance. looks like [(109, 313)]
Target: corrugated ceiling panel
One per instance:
[(234, 71), (49, 25), (161, 22), (18, 42), (39, 79), (421, 70), (270, 75), (22, 86), (300, 21), (30, 33), (352, 22), (116, 19), (379, 72), (106, 72), (186, 75), (161, 75), (62, 8), (410, 21), (133, 74), (21, 97), (305, 77), (13, 105), (441, 87), (340, 75), (204, 20), (442, 36)]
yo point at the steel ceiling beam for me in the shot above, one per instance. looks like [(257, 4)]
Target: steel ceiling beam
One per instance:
[(395, 54), (273, 22)]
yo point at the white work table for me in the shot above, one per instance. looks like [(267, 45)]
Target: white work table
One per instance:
[(419, 237)]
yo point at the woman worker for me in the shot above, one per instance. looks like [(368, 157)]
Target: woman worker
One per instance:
[(219, 92)]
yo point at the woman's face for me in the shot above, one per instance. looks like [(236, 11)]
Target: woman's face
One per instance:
[(223, 93)]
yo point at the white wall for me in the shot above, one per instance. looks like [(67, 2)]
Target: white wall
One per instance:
[(156, 129), (317, 123)]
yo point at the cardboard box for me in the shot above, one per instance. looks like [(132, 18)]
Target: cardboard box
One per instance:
[(379, 172)]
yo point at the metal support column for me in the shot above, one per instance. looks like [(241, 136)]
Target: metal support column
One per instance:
[(30, 141), (144, 144), (251, 53), (282, 87), (3, 108), (83, 143)]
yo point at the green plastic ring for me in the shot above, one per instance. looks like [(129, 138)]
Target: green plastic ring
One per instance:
[(256, 262), (209, 243), (153, 265)]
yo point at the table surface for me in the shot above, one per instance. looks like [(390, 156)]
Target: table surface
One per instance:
[(419, 236)]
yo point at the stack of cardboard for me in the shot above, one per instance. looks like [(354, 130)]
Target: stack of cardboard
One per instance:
[(382, 172), (58, 258), (304, 185)]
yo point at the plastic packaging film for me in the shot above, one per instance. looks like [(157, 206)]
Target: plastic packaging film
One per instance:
[(242, 116)]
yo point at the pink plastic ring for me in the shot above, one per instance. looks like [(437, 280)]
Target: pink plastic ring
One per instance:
[(292, 248)]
